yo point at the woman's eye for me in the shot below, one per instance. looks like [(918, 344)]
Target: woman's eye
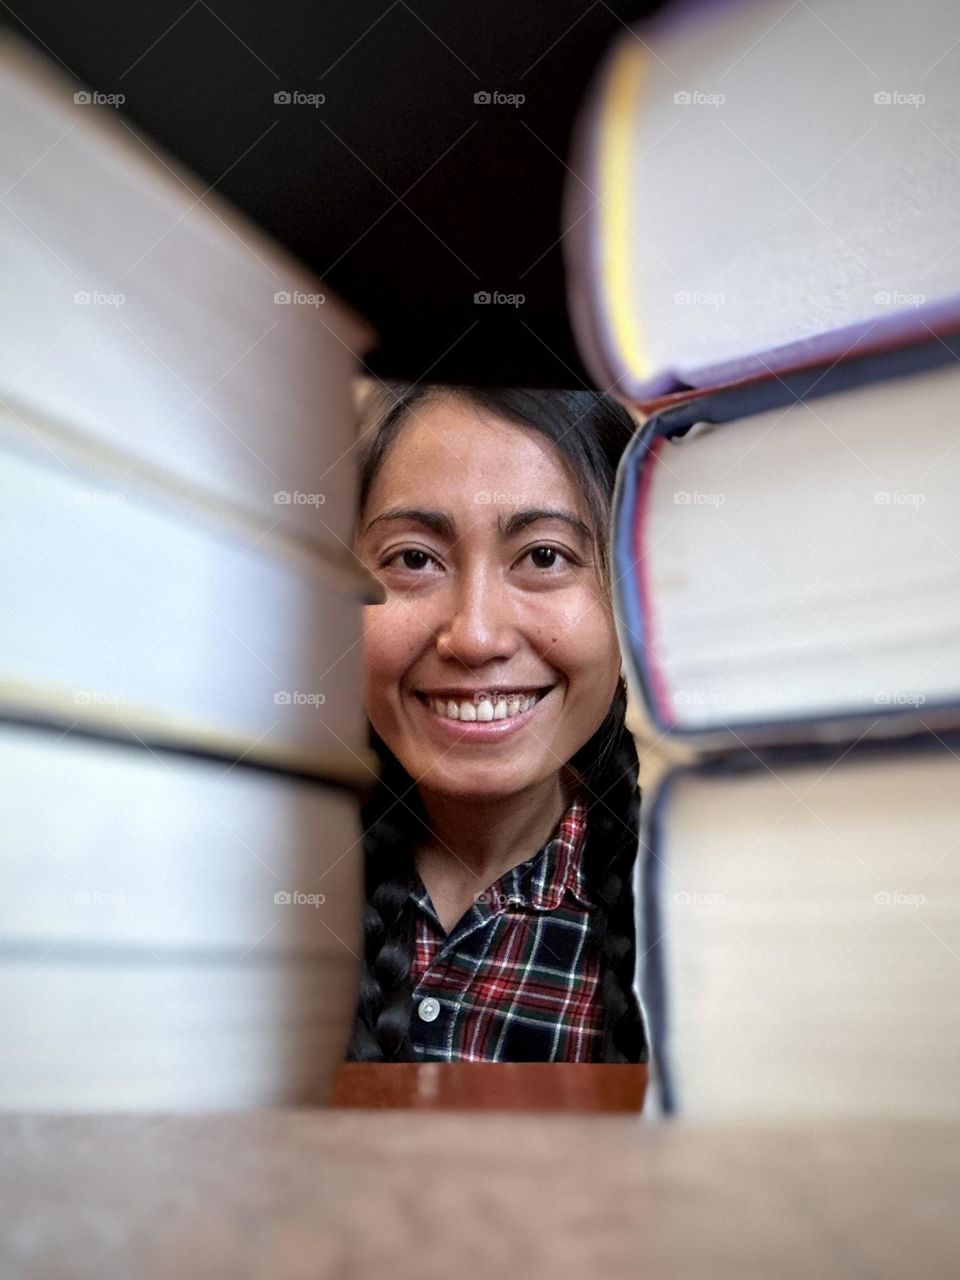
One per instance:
[(537, 556), (413, 559)]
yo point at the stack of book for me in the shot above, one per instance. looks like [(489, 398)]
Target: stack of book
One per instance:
[(764, 263), (182, 741)]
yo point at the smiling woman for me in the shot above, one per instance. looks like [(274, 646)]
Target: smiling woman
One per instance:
[(501, 839)]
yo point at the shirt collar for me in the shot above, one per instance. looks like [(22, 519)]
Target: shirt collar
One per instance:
[(541, 882)]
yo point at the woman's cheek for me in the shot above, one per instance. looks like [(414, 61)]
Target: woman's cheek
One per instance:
[(391, 641), (377, 656)]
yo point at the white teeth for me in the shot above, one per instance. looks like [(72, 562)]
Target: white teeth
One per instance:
[(488, 707)]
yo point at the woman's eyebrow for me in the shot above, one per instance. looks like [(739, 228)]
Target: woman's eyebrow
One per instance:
[(444, 526), (521, 519)]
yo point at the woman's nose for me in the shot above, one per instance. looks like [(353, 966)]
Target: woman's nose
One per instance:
[(477, 625)]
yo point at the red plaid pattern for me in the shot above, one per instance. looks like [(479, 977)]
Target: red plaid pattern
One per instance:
[(517, 979)]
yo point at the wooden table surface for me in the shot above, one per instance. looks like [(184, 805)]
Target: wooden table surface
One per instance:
[(500, 1086), (298, 1194)]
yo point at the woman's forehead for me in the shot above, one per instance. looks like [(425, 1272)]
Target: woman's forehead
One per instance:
[(452, 451)]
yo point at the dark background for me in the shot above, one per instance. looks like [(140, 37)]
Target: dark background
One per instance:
[(400, 191)]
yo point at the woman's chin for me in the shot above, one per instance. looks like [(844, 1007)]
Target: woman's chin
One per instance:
[(481, 783)]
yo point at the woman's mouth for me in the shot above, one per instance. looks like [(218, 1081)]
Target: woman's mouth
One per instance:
[(486, 716)]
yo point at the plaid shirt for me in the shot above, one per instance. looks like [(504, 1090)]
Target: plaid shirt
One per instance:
[(517, 979)]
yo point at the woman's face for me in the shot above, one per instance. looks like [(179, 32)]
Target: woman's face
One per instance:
[(482, 598)]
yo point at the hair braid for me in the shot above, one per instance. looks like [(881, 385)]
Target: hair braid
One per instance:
[(393, 826), (609, 766)]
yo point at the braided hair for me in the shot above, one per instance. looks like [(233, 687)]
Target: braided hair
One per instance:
[(591, 431)]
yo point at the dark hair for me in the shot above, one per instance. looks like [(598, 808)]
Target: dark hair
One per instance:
[(591, 431)]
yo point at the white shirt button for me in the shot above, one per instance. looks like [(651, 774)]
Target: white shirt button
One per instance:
[(428, 1009)]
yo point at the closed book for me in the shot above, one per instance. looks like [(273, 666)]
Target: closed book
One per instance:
[(757, 184), (801, 932), (787, 551), (183, 747)]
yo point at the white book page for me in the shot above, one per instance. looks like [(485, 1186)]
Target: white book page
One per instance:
[(156, 319), (806, 560), (810, 940)]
